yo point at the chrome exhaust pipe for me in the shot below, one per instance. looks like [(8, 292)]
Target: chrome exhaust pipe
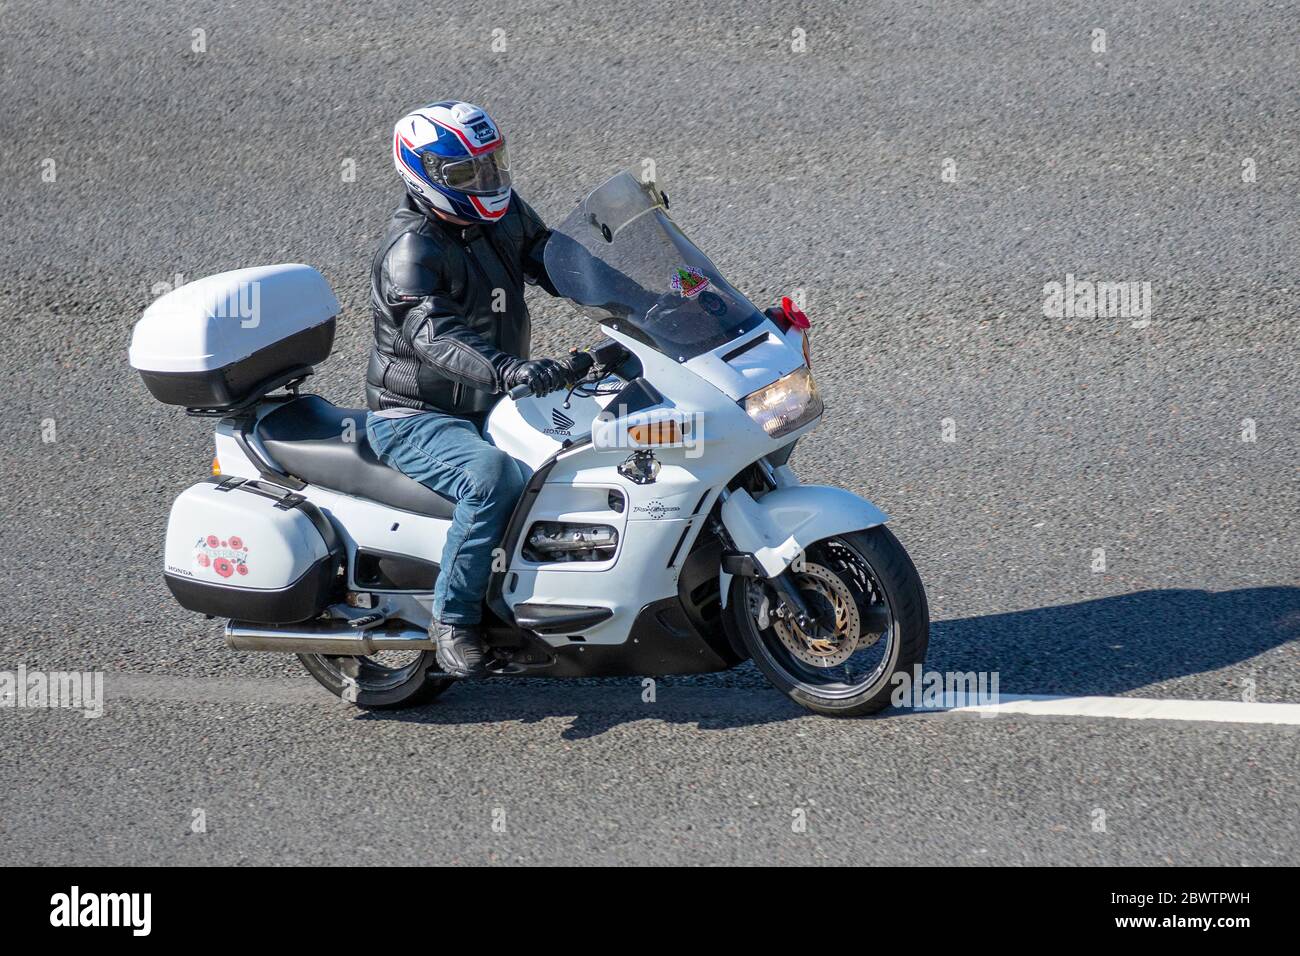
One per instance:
[(309, 639)]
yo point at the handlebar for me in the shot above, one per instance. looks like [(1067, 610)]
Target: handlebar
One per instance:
[(577, 365)]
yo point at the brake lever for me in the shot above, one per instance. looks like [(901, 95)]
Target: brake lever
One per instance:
[(594, 375)]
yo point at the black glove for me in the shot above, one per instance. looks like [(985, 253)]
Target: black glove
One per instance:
[(542, 376)]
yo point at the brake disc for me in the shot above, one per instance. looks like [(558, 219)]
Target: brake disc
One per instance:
[(817, 582)]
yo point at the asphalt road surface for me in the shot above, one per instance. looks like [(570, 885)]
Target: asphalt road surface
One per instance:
[(922, 172)]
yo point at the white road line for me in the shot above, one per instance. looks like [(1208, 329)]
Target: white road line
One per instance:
[(1134, 708)]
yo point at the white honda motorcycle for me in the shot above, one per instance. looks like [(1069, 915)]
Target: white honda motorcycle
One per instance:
[(662, 529)]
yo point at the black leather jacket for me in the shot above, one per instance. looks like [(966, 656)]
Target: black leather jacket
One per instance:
[(448, 303)]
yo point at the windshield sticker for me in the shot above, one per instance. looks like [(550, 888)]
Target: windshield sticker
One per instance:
[(690, 282), (712, 303)]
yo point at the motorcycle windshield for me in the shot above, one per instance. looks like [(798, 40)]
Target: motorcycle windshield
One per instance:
[(622, 259)]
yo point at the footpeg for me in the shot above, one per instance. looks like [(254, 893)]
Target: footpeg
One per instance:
[(366, 621)]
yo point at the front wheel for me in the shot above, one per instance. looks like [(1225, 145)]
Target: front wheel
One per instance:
[(388, 680), (865, 583)]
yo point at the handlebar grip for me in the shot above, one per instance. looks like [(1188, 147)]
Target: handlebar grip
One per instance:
[(577, 364)]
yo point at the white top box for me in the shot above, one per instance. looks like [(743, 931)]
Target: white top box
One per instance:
[(216, 322)]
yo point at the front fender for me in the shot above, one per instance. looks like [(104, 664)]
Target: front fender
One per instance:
[(777, 527)]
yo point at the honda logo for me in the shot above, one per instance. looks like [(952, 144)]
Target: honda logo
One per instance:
[(561, 422)]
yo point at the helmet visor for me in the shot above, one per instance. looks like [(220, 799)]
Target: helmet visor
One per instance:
[(482, 175)]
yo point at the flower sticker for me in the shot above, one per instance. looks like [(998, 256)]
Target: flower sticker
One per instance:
[(225, 556)]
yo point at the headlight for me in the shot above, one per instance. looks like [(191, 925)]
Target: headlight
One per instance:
[(786, 404)]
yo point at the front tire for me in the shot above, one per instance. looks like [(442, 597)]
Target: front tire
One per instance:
[(387, 681), (864, 581)]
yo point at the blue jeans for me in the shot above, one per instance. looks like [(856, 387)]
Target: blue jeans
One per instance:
[(447, 454)]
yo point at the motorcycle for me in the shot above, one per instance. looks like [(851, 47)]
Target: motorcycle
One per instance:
[(662, 529)]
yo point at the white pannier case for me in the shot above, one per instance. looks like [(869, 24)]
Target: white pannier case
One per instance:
[(224, 341), (252, 551)]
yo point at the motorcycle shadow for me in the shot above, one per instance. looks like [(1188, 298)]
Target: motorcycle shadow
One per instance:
[(595, 706), (1101, 647), (1116, 644)]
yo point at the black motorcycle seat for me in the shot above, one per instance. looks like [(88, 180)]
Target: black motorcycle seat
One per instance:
[(308, 438)]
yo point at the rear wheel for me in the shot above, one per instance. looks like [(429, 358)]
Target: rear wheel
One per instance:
[(865, 583), (386, 680)]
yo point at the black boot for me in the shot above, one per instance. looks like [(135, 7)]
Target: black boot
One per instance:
[(461, 652)]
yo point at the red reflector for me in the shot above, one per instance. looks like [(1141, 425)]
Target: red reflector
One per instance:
[(794, 313)]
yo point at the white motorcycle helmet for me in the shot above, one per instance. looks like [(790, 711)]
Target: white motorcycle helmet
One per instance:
[(452, 157)]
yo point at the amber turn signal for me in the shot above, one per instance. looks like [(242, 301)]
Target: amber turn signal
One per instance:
[(216, 466), (655, 433)]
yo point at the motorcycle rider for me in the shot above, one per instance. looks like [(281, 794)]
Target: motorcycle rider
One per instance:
[(451, 335)]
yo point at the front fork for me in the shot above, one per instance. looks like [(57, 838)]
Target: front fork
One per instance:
[(789, 602)]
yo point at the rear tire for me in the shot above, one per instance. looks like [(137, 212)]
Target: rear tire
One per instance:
[(889, 576), (372, 685)]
